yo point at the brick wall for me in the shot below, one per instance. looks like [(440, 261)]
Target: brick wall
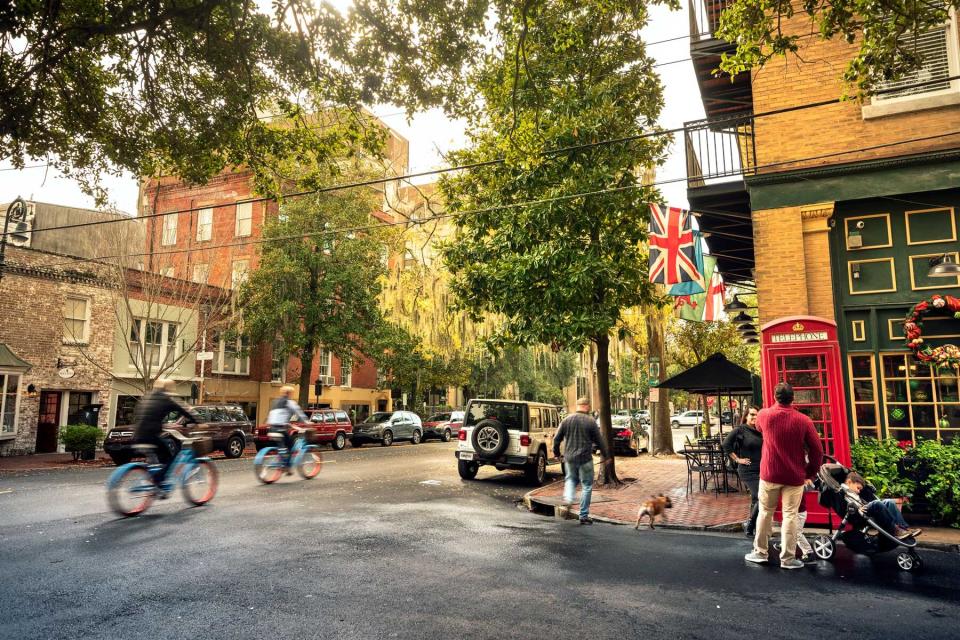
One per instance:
[(836, 128), (31, 325)]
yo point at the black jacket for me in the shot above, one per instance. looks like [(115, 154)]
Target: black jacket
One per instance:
[(151, 412), (746, 443)]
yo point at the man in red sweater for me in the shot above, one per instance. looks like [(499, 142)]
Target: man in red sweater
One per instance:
[(791, 456)]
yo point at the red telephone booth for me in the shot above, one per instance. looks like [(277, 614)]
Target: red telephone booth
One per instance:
[(804, 351)]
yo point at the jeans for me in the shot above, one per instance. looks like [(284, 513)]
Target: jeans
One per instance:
[(751, 480), (886, 514), (579, 474), (790, 498)]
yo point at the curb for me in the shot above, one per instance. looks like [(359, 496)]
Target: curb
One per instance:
[(561, 513)]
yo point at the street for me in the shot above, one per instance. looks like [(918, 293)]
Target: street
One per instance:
[(368, 550)]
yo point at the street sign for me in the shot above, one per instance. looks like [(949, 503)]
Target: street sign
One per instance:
[(653, 377), (654, 394), (204, 355)]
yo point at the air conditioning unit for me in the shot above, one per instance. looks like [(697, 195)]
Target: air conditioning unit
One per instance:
[(326, 381)]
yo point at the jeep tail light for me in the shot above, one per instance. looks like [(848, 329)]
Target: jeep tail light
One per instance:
[(462, 435), (524, 439)]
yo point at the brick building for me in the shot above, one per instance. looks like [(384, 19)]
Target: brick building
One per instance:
[(211, 237), (56, 325), (836, 211)]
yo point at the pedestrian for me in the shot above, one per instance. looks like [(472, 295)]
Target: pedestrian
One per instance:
[(582, 435), (744, 446), (148, 419), (791, 456)]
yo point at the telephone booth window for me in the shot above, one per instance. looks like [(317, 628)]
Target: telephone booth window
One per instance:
[(808, 375), (920, 402), (863, 388)]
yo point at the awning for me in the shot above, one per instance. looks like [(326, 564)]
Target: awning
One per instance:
[(10, 360)]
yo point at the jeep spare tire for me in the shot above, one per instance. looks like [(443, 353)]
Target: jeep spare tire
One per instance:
[(489, 439)]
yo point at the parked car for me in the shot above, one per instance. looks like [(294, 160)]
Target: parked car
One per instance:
[(331, 426), (642, 416), (386, 427), (624, 442), (689, 419), (438, 426), (456, 423), (225, 424), (520, 439)]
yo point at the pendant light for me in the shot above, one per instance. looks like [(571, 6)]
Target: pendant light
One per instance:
[(944, 267)]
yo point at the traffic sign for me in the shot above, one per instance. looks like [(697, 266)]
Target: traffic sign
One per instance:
[(204, 355)]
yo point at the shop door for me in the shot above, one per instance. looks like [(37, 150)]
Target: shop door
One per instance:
[(48, 423)]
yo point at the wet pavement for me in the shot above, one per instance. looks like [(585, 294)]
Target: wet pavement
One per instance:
[(390, 543)]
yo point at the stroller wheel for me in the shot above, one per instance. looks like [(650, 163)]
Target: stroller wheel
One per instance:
[(823, 547), (909, 561)]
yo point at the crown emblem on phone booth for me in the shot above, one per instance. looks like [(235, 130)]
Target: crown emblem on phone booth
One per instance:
[(798, 327)]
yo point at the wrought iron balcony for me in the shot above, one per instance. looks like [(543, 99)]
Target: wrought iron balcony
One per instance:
[(719, 150), (705, 18)]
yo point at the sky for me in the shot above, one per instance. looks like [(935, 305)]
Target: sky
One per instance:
[(431, 134)]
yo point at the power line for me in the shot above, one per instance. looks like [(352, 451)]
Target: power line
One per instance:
[(485, 163), (342, 230)]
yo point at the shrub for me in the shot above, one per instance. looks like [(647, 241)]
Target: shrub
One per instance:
[(937, 466), (77, 438), (878, 462)]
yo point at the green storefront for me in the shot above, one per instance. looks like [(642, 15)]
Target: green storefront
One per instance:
[(890, 219)]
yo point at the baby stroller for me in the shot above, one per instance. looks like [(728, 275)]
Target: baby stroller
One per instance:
[(859, 538)]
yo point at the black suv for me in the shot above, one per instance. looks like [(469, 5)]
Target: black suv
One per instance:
[(226, 424)]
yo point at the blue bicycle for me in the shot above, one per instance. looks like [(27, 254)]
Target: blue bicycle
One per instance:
[(271, 462), (133, 487)]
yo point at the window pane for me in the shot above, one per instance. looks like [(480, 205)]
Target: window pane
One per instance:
[(921, 390), (947, 389), (897, 416), (811, 396), (863, 390), (860, 366), (866, 415), (896, 391), (799, 363), (924, 417), (805, 379), (949, 415), (894, 367), (244, 218)]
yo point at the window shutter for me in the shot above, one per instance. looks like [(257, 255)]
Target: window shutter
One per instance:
[(932, 48)]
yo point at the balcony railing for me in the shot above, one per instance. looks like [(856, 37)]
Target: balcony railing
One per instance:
[(705, 18), (719, 150)]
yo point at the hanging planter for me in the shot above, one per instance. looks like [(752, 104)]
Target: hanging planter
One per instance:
[(944, 357)]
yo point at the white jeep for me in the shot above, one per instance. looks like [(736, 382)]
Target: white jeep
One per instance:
[(507, 434)]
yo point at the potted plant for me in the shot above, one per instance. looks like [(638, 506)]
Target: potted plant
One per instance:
[(879, 462), (81, 440)]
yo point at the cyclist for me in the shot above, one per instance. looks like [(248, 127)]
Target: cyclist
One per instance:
[(282, 412), (148, 418)]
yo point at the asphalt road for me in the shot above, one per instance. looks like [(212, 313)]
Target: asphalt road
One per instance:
[(367, 550)]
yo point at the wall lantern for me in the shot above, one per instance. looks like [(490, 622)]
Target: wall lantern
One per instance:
[(943, 267)]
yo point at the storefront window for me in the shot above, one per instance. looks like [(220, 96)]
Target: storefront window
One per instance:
[(920, 402), (9, 387)]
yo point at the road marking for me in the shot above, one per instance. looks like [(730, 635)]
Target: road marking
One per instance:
[(431, 482), (6, 491)]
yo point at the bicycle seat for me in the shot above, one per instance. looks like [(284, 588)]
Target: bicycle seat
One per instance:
[(144, 448)]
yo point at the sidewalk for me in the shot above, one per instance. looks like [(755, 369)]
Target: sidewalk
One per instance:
[(700, 511), (37, 461)]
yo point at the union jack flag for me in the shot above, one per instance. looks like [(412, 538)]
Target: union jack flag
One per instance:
[(672, 245)]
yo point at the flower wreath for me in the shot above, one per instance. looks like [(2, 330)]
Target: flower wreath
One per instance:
[(947, 356)]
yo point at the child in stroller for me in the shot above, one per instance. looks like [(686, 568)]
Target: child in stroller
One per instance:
[(859, 537)]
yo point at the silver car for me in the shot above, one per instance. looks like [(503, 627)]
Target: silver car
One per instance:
[(386, 427)]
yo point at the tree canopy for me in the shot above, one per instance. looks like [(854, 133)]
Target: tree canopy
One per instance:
[(557, 266), (883, 30)]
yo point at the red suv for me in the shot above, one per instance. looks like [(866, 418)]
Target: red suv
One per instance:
[(332, 427)]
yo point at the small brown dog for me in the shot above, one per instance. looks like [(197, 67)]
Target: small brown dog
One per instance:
[(655, 506)]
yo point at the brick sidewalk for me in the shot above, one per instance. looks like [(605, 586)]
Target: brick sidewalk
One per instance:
[(653, 476), (47, 461)]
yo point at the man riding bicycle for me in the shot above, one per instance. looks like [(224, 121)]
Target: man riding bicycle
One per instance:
[(149, 417), (282, 412)]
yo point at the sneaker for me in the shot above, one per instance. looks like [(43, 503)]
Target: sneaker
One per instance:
[(753, 556), (793, 563), (808, 558), (916, 532), (902, 534), (586, 520)]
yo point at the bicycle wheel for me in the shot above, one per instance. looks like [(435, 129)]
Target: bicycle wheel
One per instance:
[(309, 462), (268, 465), (130, 490), (200, 481)]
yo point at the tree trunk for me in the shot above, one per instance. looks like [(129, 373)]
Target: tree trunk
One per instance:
[(660, 432), (306, 367), (608, 474)]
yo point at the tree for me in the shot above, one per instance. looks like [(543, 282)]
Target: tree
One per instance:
[(883, 28), (314, 288), (691, 343), (558, 267), (186, 87)]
